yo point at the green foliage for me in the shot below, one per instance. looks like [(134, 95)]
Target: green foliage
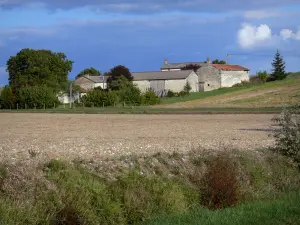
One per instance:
[(128, 93), (216, 61), (287, 137), (219, 186), (283, 210), (100, 98), (278, 64), (36, 97), (38, 67), (113, 81), (150, 98), (89, 71), (6, 98), (187, 88), (170, 94), (263, 75)]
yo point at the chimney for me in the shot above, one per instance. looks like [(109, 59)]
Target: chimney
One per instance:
[(208, 60), (166, 62)]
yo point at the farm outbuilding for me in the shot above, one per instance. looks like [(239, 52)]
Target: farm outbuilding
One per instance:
[(162, 81), (215, 76)]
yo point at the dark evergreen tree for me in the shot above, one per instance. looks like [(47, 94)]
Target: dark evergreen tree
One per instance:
[(278, 71)]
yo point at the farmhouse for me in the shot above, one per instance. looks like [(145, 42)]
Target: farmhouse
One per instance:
[(88, 82), (212, 76), (161, 82), (215, 76)]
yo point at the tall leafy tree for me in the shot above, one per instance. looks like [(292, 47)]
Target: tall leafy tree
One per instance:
[(89, 71), (216, 61), (115, 74), (278, 64), (38, 67)]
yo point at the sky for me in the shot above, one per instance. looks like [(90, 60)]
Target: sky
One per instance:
[(140, 34)]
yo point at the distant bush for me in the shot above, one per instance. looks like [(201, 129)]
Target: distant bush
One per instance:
[(100, 98), (263, 76), (150, 98), (129, 93), (170, 94), (6, 98), (187, 88), (287, 137), (219, 187)]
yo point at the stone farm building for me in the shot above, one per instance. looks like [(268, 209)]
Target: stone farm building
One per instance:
[(172, 77)]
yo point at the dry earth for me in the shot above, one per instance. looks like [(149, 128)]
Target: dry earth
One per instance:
[(94, 137)]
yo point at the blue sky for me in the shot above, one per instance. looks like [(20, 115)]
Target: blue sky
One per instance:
[(141, 33)]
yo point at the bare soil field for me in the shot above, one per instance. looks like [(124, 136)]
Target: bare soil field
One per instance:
[(95, 137)]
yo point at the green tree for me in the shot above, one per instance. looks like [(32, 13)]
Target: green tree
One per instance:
[(263, 75), (38, 67), (128, 93), (6, 98), (278, 64), (89, 71), (216, 61), (115, 73), (187, 88)]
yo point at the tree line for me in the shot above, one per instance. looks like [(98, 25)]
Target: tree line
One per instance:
[(38, 77)]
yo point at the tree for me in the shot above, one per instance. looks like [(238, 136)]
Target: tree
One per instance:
[(193, 67), (263, 75), (6, 98), (187, 88), (38, 67), (216, 61), (89, 71), (115, 73), (278, 64)]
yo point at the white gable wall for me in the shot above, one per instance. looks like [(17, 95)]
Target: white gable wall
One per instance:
[(230, 78), (143, 85)]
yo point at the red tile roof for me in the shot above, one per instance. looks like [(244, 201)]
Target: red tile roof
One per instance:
[(229, 67)]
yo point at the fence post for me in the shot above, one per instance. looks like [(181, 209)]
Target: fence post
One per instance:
[(17, 106), (44, 106), (25, 106), (54, 105), (35, 106), (103, 104)]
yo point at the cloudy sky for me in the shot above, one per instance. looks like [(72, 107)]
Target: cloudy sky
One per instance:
[(141, 33)]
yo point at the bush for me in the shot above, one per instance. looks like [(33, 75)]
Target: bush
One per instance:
[(287, 137), (170, 94), (36, 97), (219, 186), (263, 75), (150, 98), (129, 93), (6, 98), (187, 88)]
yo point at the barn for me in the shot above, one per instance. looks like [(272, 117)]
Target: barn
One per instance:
[(162, 81), (215, 76)]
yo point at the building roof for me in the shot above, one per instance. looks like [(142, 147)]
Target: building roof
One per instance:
[(91, 79), (229, 67), (161, 75), (180, 65)]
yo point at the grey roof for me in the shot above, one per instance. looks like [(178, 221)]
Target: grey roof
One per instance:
[(96, 79), (161, 75), (179, 65)]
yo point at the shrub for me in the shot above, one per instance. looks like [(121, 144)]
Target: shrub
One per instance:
[(150, 98), (170, 94), (287, 137), (187, 88), (219, 186), (36, 97), (6, 98), (263, 75), (129, 93)]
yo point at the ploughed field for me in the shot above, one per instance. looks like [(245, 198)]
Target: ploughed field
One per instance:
[(96, 137)]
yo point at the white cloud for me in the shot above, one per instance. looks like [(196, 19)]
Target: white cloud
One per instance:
[(249, 36), (289, 34)]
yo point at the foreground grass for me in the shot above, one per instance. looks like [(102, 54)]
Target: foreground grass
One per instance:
[(134, 189), (284, 210)]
